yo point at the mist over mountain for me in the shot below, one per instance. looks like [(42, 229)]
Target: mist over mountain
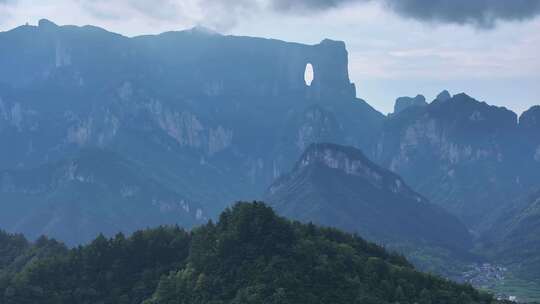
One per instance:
[(102, 133), (170, 104)]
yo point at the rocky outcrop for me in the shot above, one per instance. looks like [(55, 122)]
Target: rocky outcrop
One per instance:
[(530, 119), (349, 161), (317, 125), (403, 103), (189, 131), (14, 115), (443, 96), (529, 129)]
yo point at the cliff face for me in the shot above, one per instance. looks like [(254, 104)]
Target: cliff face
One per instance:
[(351, 161), (462, 154), (403, 103), (529, 125), (215, 118), (193, 63), (192, 85)]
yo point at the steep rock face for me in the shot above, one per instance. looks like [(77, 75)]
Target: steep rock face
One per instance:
[(338, 186), (215, 118), (177, 80), (462, 154), (529, 126), (185, 59), (530, 119), (443, 96), (403, 103)]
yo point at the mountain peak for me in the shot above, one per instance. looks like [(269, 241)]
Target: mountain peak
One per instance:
[(338, 186), (46, 24), (333, 156), (405, 102), (331, 42), (443, 96), (530, 119), (200, 29), (351, 161)]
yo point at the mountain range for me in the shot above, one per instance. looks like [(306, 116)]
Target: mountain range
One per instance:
[(465, 155), (171, 103), (107, 133)]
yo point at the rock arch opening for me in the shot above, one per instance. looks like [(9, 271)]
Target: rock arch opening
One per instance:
[(309, 74)]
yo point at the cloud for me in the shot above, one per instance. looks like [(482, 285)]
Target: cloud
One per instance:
[(217, 14), (479, 13), (223, 15), (119, 9), (307, 5)]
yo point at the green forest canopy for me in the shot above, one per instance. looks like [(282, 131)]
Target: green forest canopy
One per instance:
[(250, 255)]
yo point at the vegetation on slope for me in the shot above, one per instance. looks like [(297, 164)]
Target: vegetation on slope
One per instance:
[(250, 255)]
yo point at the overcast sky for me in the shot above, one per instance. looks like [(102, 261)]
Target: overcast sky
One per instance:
[(488, 49)]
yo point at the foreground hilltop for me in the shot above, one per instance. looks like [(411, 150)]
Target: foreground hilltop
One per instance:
[(249, 256)]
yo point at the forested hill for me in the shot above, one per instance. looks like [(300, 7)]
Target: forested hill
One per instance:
[(250, 255)]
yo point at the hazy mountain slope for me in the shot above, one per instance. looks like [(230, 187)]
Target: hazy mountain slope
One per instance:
[(338, 186), (403, 103), (95, 192), (529, 145), (514, 239), (215, 118), (462, 154)]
